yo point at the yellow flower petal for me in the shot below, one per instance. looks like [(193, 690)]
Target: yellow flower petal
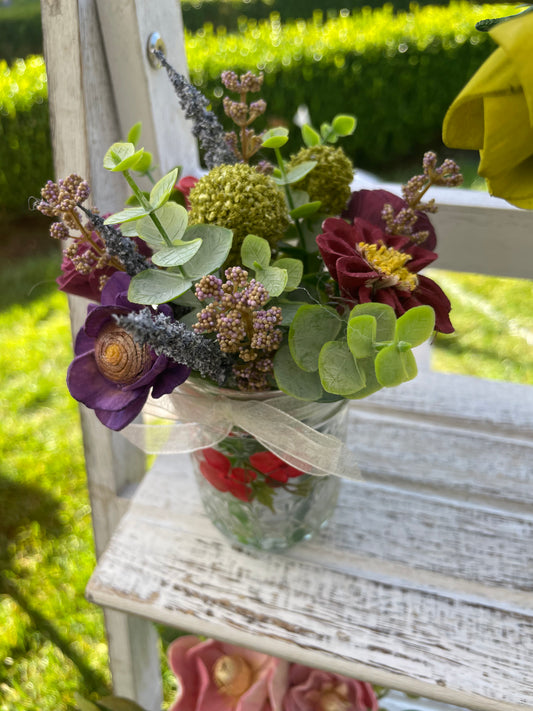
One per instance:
[(494, 114), (515, 37)]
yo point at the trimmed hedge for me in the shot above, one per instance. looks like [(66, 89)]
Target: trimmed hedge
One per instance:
[(232, 13), (25, 155), (20, 30), (397, 73)]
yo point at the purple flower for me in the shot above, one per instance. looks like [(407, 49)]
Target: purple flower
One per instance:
[(111, 373)]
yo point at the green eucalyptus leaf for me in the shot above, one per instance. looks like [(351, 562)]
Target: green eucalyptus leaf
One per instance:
[(216, 245), (173, 218), (189, 319), (276, 137), (416, 325), (299, 171), (367, 368), (384, 315), (299, 197), (305, 210), (122, 156), (344, 124), (295, 270), (84, 704), (178, 255), (310, 136), (338, 370), (135, 133), (273, 279), (294, 381), (144, 163), (325, 130), (289, 310), (153, 286), (118, 703), (361, 336), (255, 250), (395, 366), (312, 326), (127, 215), (129, 229), (133, 200), (117, 153), (160, 193)]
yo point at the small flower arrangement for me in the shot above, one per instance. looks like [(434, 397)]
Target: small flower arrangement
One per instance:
[(215, 676), (265, 274)]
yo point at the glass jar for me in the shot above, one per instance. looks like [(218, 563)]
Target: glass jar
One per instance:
[(254, 497)]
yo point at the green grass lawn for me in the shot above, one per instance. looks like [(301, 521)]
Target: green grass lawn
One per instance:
[(52, 643)]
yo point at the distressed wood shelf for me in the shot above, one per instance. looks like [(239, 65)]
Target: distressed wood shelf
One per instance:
[(422, 581)]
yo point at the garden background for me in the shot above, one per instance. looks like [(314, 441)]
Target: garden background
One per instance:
[(397, 68)]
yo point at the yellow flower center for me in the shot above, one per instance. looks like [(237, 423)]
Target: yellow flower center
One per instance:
[(232, 675), (390, 264), (330, 701)]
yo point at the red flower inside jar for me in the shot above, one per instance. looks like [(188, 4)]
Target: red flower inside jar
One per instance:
[(219, 472)]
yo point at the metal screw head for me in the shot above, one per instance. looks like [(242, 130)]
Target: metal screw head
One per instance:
[(155, 42)]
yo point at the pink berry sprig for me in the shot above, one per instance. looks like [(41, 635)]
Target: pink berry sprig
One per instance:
[(242, 326)]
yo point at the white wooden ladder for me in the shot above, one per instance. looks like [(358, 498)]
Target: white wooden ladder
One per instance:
[(423, 581)]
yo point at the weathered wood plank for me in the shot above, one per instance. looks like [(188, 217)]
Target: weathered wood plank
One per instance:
[(141, 92), (476, 232), (84, 123), (391, 592), (489, 406), (453, 462)]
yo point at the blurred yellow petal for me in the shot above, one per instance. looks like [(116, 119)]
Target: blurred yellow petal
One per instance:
[(494, 113), (515, 37)]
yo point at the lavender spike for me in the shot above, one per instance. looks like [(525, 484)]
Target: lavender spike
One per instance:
[(206, 126)]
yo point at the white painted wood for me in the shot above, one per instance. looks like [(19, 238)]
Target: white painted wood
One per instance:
[(87, 115), (476, 232), (423, 594), (141, 92)]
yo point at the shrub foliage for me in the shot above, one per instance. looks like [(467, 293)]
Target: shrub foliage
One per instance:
[(397, 72), (26, 156), (20, 30), (231, 13)]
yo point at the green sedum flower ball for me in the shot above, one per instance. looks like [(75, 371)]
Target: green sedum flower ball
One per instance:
[(241, 199), (330, 179)]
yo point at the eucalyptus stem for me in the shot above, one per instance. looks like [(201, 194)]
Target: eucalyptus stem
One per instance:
[(144, 202), (283, 172)]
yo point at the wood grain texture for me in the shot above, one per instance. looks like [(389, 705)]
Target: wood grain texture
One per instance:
[(428, 594), (143, 93), (84, 123)]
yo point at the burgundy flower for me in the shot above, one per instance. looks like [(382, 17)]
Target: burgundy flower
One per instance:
[(370, 265), (215, 676), (71, 281), (273, 467), (368, 205), (315, 690), (217, 469), (111, 373)]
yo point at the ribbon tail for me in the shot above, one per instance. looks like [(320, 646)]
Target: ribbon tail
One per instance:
[(294, 442)]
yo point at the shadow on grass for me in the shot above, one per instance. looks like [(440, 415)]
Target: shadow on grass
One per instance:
[(30, 261), (21, 507)]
